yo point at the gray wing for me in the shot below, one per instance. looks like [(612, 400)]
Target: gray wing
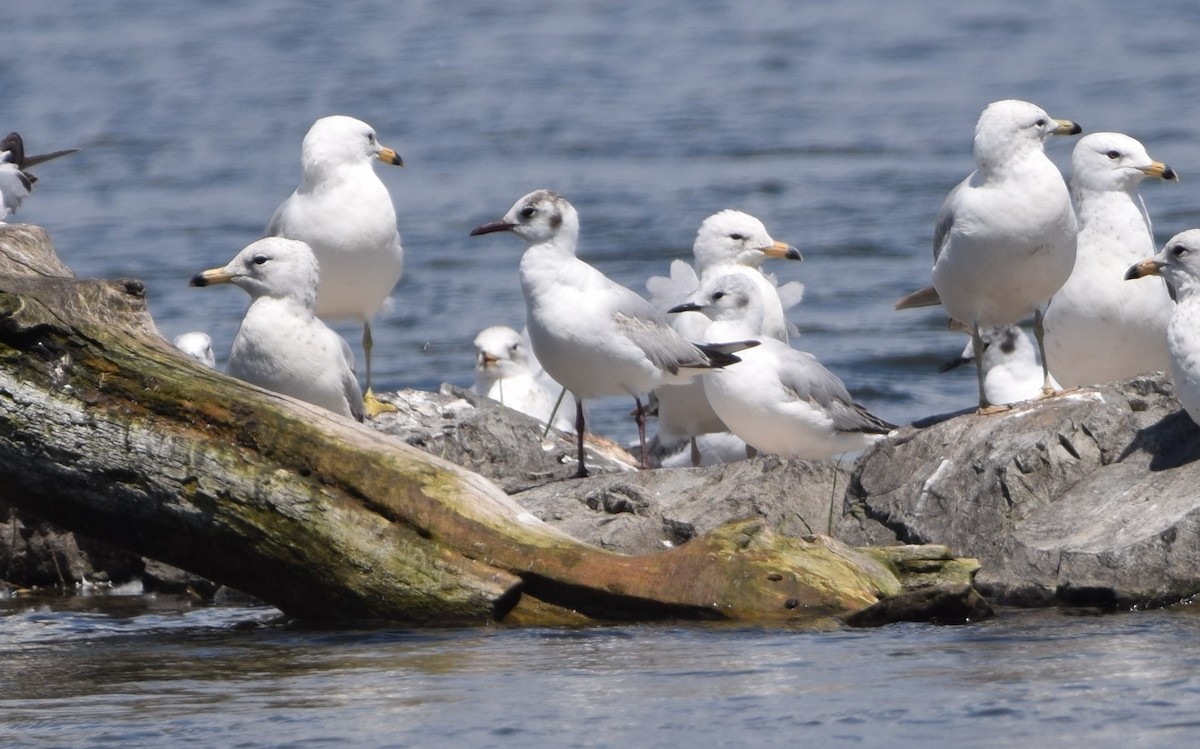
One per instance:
[(801, 373), (946, 217), (662, 345)]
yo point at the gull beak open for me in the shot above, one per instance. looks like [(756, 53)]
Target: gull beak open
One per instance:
[(1066, 127), (1148, 267), (783, 250), (210, 277), (493, 226), (1161, 171), (388, 156)]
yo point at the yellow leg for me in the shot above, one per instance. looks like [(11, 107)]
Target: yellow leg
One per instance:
[(372, 406)]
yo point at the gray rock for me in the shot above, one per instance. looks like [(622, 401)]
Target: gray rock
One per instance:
[(502, 444), (37, 553), (640, 512), (159, 577), (1091, 497)]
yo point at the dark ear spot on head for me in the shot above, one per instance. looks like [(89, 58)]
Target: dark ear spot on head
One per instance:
[(556, 220)]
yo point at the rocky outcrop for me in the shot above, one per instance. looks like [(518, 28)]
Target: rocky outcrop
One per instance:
[(1090, 497)]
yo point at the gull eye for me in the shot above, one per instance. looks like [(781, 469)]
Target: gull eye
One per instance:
[(737, 237), (1178, 251), (528, 212), (371, 138), (1041, 122), (260, 259), (718, 295), (1114, 154)]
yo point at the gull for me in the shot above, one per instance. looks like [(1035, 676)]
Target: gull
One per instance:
[(344, 212), (198, 345), (1179, 263), (727, 242), (778, 399), (1099, 328), (1011, 371), (281, 344), (1004, 240), (15, 181), (506, 371), (591, 334)]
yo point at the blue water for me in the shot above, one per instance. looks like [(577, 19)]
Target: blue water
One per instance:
[(841, 125), (231, 677)]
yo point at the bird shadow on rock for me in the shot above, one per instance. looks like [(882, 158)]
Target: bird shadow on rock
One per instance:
[(1172, 442)]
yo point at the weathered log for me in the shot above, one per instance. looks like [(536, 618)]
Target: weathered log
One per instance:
[(107, 430)]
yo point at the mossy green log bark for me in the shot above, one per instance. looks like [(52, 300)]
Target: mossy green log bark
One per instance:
[(107, 430)]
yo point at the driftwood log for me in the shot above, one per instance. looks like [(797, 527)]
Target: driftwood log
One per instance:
[(107, 430)]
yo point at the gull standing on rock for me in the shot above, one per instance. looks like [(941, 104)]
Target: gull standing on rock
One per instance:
[(727, 242), (1099, 328), (1179, 263), (281, 345), (1011, 371), (778, 399), (15, 182), (344, 213), (591, 334), (1004, 241), (506, 371)]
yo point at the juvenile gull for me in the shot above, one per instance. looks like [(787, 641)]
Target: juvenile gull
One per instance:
[(507, 371), (727, 242), (591, 334), (281, 345), (778, 399), (1098, 327), (344, 212), (1179, 263), (1011, 371), (16, 181), (1004, 240)]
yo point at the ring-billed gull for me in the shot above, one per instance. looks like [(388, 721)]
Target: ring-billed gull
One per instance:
[(198, 345), (727, 242), (1011, 370), (507, 371), (1099, 328), (591, 334), (1179, 263), (778, 399), (1004, 240), (344, 212), (281, 345), (15, 181)]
